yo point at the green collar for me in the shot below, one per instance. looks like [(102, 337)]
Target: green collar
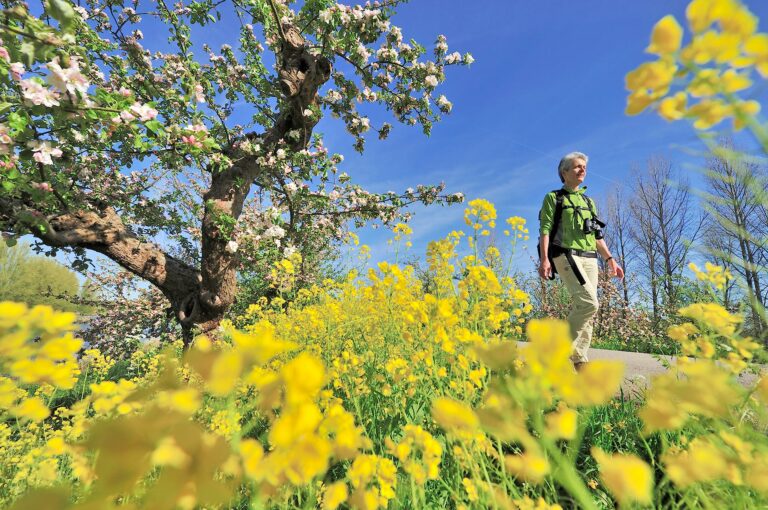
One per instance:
[(580, 191)]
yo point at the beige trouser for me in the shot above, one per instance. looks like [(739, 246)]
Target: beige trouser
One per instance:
[(584, 299)]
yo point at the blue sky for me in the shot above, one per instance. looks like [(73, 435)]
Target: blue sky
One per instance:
[(548, 78)]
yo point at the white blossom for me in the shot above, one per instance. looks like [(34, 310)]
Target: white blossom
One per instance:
[(431, 80), (444, 104), (43, 151), (36, 94), (274, 231), (199, 96), (143, 112), (232, 247), (325, 15), (453, 58)]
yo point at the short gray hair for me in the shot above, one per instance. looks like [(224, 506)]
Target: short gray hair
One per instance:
[(567, 163)]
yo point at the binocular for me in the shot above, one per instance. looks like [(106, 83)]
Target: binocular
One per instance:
[(594, 226)]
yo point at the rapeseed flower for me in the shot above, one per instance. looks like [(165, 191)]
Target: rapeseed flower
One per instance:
[(666, 37), (334, 495), (454, 416), (627, 476)]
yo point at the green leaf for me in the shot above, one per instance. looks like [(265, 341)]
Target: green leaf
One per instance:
[(155, 126), (27, 51), (5, 106), (10, 242), (61, 11), (17, 123)]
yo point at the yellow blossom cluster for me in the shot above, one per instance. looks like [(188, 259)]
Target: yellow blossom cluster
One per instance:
[(37, 347), (284, 272), (711, 69), (716, 275), (480, 216)]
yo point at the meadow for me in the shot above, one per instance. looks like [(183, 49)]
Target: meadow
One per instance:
[(380, 391)]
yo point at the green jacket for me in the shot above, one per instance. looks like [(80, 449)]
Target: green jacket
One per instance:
[(571, 233)]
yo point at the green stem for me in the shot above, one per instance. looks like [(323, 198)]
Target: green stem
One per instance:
[(565, 472)]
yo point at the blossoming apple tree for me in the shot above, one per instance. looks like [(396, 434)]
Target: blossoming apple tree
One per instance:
[(181, 162)]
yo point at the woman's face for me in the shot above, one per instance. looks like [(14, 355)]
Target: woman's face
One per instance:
[(577, 173)]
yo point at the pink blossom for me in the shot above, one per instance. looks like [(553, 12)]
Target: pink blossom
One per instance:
[(35, 93), (6, 142), (143, 111), (67, 80), (17, 69), (43, 150), (4, 54), (42, 186), (199, 96), (197, 128), (191, 140)]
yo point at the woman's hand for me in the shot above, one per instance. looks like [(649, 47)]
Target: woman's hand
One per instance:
[(615, 269), (545, 269)]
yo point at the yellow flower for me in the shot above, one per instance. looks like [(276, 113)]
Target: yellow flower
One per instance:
[(702, 461), (225, 372), (335, 494), (673, 108), (454, 416), (681, 332), (374, 479), (252, 454), (168, 453), (61, 348), (713, 316), (470, 488), (627, 476), (294, 423), (706, 389), (656, 76), (708, 113), (530, 466), (638, 101), (743, 112), (666, 37), (597, 382), (562, 424), (304, 377), (757, 47), (186, 400), (32, 408)]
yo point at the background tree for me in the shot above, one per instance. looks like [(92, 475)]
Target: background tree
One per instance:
[(180, 170), (618, 216), (737, 232), (38, 280), (665, 228)]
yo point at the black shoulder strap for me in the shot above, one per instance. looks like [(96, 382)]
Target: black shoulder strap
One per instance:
[(591, 206), (559, 194)]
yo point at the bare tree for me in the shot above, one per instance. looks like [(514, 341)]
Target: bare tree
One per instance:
[(738, 225), (666, 224), (618, 216)]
